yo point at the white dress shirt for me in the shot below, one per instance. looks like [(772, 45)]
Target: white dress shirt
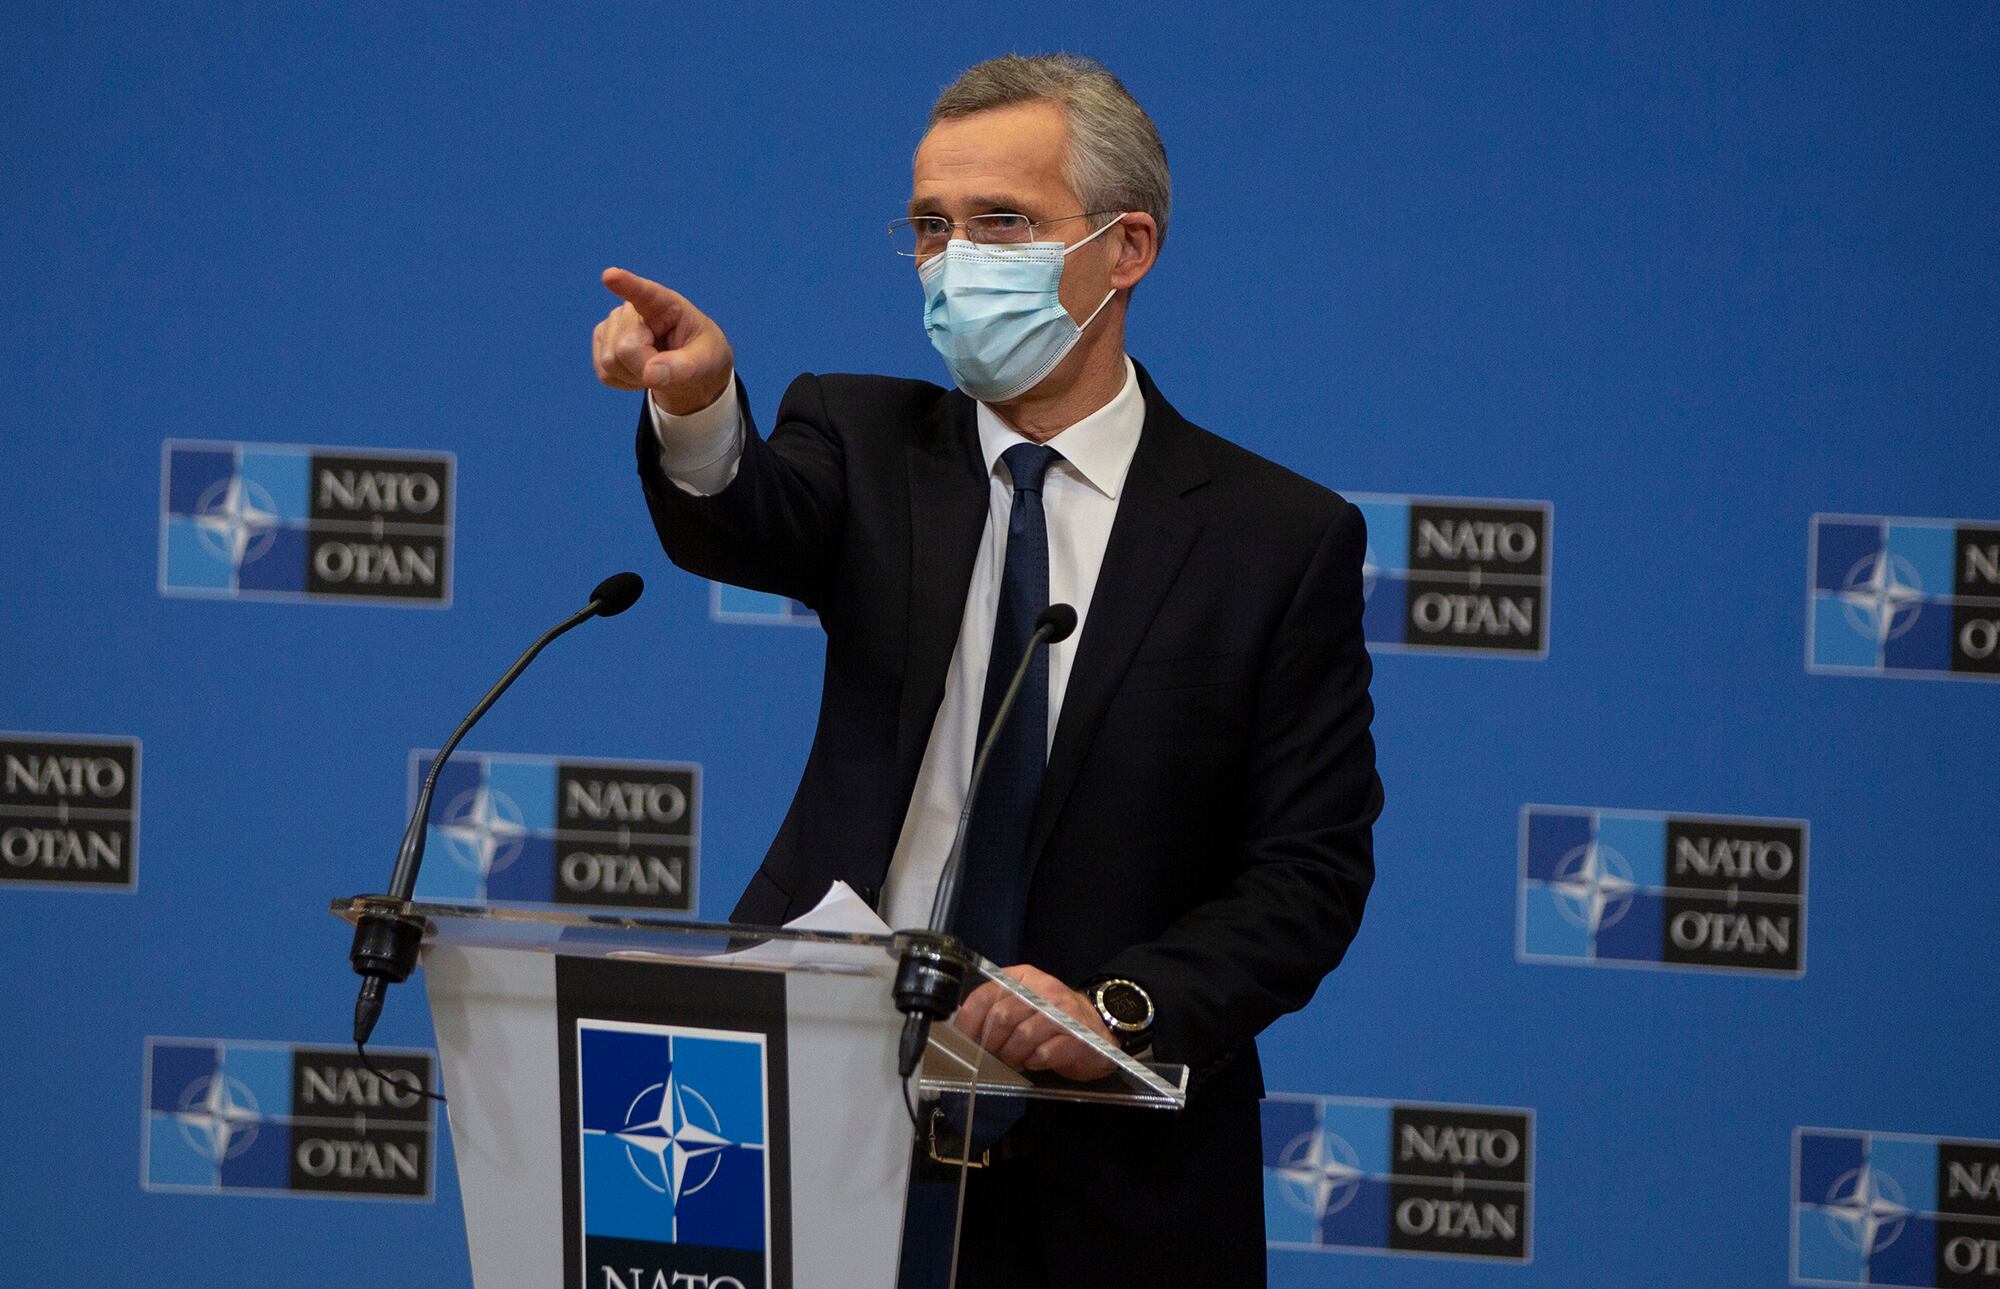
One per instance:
[(699, 452)]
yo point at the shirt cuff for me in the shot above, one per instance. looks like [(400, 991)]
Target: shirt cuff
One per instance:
[(700, 451)]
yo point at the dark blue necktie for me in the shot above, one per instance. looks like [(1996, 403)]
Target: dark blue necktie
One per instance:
[(994, 898)]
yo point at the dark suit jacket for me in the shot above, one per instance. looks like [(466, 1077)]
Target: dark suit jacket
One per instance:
[(1204, 824)]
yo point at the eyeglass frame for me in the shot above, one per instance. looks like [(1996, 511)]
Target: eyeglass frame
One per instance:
[(953, 225)]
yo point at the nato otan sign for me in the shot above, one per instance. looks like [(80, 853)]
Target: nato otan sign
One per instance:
[(1903, 597), (1354, 1175), (265, 521), (1640, 888), (236, 1116), (515, 829)]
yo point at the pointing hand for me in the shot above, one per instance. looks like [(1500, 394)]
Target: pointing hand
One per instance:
[(657, 341)]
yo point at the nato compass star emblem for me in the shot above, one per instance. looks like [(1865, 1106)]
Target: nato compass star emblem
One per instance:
[(1593, 886), (1882, 596), (1865, 1210), (1371, 571), (237, 520), (218, 1116), (1321, 1173), (485, 829), (673, 1139)]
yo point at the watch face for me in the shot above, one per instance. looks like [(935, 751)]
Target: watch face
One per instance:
[(1125, 1004)]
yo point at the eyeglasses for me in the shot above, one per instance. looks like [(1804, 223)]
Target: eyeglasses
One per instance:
[(922, 236)]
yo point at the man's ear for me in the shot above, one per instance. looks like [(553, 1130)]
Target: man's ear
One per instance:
[(1138, 247)]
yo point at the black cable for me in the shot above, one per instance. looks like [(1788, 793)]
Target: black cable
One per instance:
[(910, 1104), (368, 1064)]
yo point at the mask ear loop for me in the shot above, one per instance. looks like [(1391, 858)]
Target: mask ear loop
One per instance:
[(1085, 324), (1099, 233)]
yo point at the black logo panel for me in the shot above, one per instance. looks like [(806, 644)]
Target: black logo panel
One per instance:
[(68, 810), (353, 1133), (625, 836), (1477, 577), (1459, 1182), (380, 527)]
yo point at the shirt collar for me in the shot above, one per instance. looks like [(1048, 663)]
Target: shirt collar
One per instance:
[(1098, 448)]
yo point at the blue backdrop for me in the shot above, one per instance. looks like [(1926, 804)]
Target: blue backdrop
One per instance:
[(1690, 274)]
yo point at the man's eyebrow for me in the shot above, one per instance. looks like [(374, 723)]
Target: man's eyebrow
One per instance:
[(987, 205)]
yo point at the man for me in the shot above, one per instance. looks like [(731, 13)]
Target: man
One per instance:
[(1173, 840)]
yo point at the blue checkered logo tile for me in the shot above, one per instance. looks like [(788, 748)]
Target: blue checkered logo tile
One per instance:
[(1887, 1208), (1903, 597)]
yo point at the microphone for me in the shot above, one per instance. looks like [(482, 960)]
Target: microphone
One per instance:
[(386, 939), (932, 970), (1061, 621), (617, 593)]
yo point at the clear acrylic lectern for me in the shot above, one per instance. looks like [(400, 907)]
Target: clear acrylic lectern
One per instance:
[(640, 1102)]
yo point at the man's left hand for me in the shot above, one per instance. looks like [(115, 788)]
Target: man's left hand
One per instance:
[(1023, 1037)]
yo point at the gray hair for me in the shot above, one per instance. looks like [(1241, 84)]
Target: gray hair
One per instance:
[(1115, 158)]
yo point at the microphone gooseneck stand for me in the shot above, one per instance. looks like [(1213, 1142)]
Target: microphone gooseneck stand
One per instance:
[(386, 937), (931, 974)]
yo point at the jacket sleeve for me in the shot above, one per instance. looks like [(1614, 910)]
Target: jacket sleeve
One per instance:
[(776, 527), (1230, 966)]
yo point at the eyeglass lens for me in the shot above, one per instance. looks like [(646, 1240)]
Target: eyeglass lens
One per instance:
[(928, 234)]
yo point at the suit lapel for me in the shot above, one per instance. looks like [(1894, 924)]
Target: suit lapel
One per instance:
[(1150, 538), (948, 490)]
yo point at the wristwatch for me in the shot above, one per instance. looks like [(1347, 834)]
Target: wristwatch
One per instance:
[(1127, 1010)]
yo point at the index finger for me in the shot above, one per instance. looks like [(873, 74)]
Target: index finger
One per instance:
[(655, 303)]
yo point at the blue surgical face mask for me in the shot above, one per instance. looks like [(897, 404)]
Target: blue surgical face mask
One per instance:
[(995, 314)]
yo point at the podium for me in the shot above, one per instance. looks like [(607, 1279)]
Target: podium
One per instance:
[(645, 1103)]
